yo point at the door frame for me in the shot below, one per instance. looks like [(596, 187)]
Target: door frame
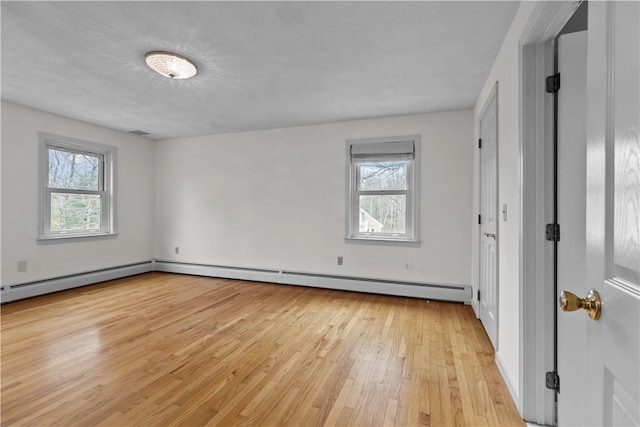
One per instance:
[(537, 302), (493, 97)]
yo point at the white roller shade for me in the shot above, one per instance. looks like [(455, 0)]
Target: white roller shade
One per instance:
[(400, 149)]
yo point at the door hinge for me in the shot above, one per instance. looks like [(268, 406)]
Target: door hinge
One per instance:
[(553, 381), (553, 83), (478, 294), (480, 143), (479, 219), (553, 232)]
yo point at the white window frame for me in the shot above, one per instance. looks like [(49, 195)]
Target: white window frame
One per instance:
[(384, 147), (106, 189)]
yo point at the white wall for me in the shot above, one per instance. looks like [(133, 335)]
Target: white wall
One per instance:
[(275, 199), (268, 199), (506, 72), (135, 186)]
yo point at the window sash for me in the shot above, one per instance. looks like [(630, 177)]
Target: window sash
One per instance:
[(73, 191), (381, 192), (104, 213), (355, 207), (100, 156), (358, 167)]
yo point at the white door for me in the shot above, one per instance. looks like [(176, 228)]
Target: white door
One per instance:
[(613, 212), (611, 349), (488, 262), (571, 249)]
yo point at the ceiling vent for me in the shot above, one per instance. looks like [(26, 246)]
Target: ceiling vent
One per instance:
[(139, 132)]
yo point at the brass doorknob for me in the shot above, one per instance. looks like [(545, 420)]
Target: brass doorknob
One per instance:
[(571, 302)]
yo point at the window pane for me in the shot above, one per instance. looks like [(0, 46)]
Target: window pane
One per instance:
[(383, 214), (383, 175), (74, 170), (72, 212)]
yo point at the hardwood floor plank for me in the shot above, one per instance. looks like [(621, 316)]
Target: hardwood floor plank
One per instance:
[(166, 349), (390, 413)]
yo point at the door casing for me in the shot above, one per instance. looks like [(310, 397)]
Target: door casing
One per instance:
[(537, 303)]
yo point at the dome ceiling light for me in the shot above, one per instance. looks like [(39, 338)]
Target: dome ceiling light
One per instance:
[(170, 64)]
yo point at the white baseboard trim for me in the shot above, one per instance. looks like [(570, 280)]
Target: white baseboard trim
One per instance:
[(508, 381), (475, 306), (457, 293), (26, 290)]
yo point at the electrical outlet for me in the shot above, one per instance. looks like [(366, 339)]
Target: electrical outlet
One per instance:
[(22, 266), (340, 260), (177, 249)]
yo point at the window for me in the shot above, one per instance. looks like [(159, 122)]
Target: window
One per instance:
[(76, 188), (383, 189)]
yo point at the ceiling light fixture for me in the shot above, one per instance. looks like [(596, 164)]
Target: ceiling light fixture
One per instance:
[(170, 64)]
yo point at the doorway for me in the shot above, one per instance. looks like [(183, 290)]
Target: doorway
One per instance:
[(611, 349), (571, 215), (487, 220), (537, 399)]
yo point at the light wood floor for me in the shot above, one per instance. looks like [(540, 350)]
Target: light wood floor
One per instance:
[(161, 349)]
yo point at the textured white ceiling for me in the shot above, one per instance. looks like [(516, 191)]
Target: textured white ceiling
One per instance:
[(261, 65)]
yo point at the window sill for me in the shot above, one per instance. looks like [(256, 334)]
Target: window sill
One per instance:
[(383, 241), (69, 238)]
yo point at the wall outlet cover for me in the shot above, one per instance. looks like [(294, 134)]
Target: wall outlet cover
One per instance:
[(22, 266)]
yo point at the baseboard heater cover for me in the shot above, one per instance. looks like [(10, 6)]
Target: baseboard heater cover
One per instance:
[(456, 293), (41, 287), (251, 274)]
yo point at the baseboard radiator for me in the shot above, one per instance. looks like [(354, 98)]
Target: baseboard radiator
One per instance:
[(457, 293), (10, 293)]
